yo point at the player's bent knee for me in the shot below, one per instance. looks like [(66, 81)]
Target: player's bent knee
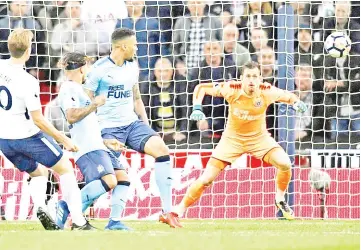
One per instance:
[(284, 165), (110, 180), (121, 175), (39, 171), (156, 147)]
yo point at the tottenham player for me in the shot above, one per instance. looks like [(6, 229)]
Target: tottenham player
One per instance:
[(25, 133), (95, 161), (116, 77)]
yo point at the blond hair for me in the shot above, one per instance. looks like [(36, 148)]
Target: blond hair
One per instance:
[(19, 41)]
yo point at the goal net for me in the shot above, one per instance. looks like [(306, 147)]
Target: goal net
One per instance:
[(181, 45)]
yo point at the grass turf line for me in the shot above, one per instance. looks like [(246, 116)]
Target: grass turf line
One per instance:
[(196, 234)]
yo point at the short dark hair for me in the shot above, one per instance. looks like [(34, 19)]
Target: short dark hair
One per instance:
[(120, 34), (73, 60), (250, 65)]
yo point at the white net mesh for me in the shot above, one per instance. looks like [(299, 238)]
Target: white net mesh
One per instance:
[(206, 42)]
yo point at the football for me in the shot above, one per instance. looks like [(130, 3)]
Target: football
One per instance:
[(338, 44)]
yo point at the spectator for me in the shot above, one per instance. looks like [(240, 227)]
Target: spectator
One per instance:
[(103, 14), (150, 43), (267, 63), (165, 99), (166, 12), (190, 33), (214, 68), (258, 14), (302, 13), (52, 13), (232, 49), (343, 22), (311, 123), (309, 52), (18, 17), (74, 35), (343, 93), (258, 41)]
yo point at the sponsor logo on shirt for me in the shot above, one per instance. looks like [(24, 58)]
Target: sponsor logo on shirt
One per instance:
[(119, 92)]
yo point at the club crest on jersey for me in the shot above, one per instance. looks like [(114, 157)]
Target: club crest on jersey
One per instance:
[(100, 168), (258, 103)]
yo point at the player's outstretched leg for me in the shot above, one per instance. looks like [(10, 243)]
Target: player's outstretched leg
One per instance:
[(89, 194), (71, 194), (195, 191), (37, 186), (156, 147), (118, 201), (278, 158), (97, 169)]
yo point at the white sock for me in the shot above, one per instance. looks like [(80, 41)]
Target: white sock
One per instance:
[(180, 210), (71, 195), (37, 187), (280, 195)]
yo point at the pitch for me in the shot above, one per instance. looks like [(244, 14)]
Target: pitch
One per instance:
[(196, 234)]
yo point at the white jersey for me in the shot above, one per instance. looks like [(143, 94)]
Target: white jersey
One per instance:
[(86, 132), (19, 95), (116, 83)]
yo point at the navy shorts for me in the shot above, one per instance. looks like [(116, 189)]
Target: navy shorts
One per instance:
[(26, 153), (134, 135), (96, 164)]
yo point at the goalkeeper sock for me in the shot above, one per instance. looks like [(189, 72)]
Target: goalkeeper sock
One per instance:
[(71, 195), (163, 177), (118, 200), (282, 179), (91, 192), (193, 194), (37, 188)]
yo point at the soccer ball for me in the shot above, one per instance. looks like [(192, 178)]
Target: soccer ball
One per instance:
[(338, 44)]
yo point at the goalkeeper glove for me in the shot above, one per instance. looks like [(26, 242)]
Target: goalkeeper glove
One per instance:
[(197, 113), (300, 106)]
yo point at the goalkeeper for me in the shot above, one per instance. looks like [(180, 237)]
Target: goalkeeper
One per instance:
[(245, 132)]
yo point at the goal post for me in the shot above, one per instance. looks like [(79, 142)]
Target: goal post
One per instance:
[(239, 31), (285, 59)]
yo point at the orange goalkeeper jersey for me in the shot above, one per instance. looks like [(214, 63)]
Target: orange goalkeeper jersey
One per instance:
[(247, 115)]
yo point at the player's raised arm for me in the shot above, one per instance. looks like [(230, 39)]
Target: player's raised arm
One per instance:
[(280, 95), (139, 105), (212, 89)]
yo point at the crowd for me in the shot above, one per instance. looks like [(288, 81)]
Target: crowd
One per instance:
[(185, 43)]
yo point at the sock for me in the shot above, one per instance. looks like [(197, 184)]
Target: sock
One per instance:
[(71, 195), (91, 192), (163, 177), (118, 200), (194, 192), (37, 188), (283, 178)]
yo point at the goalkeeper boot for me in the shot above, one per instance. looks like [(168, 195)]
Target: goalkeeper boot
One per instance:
[(171, 219), (85, 227), (46, 220), (62, 213), (287, 212), (116, 225)]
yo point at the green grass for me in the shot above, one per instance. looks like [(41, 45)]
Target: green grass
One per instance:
[(205, 235)]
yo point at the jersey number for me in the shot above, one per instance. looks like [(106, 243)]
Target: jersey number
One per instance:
[(9, 102)]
